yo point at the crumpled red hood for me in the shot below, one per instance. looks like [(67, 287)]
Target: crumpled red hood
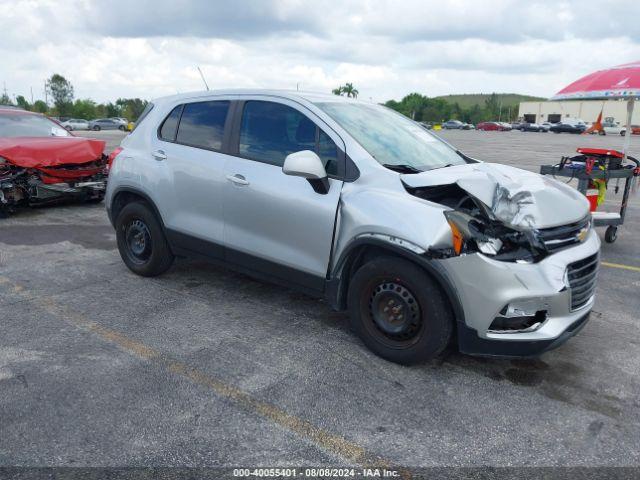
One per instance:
[(37, 152)]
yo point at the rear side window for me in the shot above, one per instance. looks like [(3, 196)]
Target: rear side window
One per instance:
[(202, 124), (270, 131), (170, 125)]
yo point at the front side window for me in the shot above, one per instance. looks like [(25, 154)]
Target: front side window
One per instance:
[(270, 131), (202, 124), (390, 138)]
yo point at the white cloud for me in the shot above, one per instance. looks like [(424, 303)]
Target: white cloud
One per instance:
[(387, 49)]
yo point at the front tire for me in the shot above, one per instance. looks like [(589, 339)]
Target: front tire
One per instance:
[(398, 311), (96, 128), (141, 241)]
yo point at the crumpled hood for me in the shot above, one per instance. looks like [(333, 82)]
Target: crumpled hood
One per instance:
[(516, 197), (37, 152)]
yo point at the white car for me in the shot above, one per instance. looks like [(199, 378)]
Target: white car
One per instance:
[(76, 124), (610, 128)]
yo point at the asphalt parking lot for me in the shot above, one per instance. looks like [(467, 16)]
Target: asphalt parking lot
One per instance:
[(205, 367)]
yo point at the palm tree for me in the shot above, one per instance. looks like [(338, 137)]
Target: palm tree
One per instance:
[(347, 89), (350, 90)]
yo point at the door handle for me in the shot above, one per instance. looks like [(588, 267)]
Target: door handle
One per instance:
[(237, 179), (159, 155)]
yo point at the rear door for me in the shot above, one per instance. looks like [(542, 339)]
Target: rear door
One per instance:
[(188, 150), (276, 223)]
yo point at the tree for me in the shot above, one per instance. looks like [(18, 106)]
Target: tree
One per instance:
[(347, 89), (61, 91), (131, 108), (40, 107), (22, 102), (350, 90), (5, 99), (85, 109)]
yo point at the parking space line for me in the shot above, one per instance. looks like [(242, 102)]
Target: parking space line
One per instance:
[(620, 265), (332, 443)]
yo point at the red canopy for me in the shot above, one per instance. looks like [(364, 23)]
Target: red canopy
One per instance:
[(622, 81)]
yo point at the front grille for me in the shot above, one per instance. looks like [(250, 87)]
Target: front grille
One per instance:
[(582, 280), (556, 238)]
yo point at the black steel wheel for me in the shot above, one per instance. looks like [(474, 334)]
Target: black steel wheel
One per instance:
[(399, 311), (611, 234), (138, 241), (395, 314), (141, 240)]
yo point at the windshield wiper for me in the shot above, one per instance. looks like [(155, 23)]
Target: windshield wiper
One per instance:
[(402, 168)]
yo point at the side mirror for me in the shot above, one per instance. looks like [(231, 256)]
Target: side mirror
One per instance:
[(307, 164)]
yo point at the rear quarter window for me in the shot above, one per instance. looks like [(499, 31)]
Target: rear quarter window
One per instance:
[(169, 126)]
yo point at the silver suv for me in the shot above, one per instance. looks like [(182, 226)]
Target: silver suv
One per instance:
[(355, 203)]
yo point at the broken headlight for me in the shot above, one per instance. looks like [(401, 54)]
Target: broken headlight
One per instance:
[(492, 238)]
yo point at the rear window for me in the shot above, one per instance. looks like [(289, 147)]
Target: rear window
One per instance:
[(202, 124), (170, 125)]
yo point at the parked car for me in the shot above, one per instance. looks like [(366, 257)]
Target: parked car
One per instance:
[(491, 126), (41, 162), (120, 120), (106, 124), (349, 201), (507, 126), (75, 124), (545, 126), (515, 126), (610, 128), (453, 125), (530, 127), (564, 127), (468, 126)]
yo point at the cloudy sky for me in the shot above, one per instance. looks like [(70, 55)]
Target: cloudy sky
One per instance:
[(149, 48)]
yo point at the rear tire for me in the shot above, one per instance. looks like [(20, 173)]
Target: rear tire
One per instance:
[(141, 241), (122, 128), (96, 128), (398, 311)]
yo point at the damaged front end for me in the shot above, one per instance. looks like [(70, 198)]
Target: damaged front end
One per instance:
[(44, 170), (21, 186), (522, 256), (493, 214)]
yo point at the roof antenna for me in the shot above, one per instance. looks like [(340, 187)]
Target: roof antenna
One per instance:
[(205, 82)]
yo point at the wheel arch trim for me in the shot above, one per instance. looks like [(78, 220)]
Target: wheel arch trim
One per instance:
[(134, 191), (337, 283)]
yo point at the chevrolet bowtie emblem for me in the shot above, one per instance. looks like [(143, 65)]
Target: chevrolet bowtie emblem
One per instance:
[(583, 234)]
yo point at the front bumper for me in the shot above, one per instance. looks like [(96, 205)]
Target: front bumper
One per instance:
[(485, 287)]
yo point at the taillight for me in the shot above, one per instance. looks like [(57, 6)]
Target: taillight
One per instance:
[(112, 156)]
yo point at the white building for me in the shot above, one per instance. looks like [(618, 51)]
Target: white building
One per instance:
[(587, 110)]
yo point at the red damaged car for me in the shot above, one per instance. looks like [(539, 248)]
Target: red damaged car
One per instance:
[(41, 162)]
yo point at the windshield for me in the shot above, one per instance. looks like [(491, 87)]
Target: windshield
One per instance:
[(391, 138), (26, 125)]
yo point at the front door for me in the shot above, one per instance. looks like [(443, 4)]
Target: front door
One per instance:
[(275, 223)]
